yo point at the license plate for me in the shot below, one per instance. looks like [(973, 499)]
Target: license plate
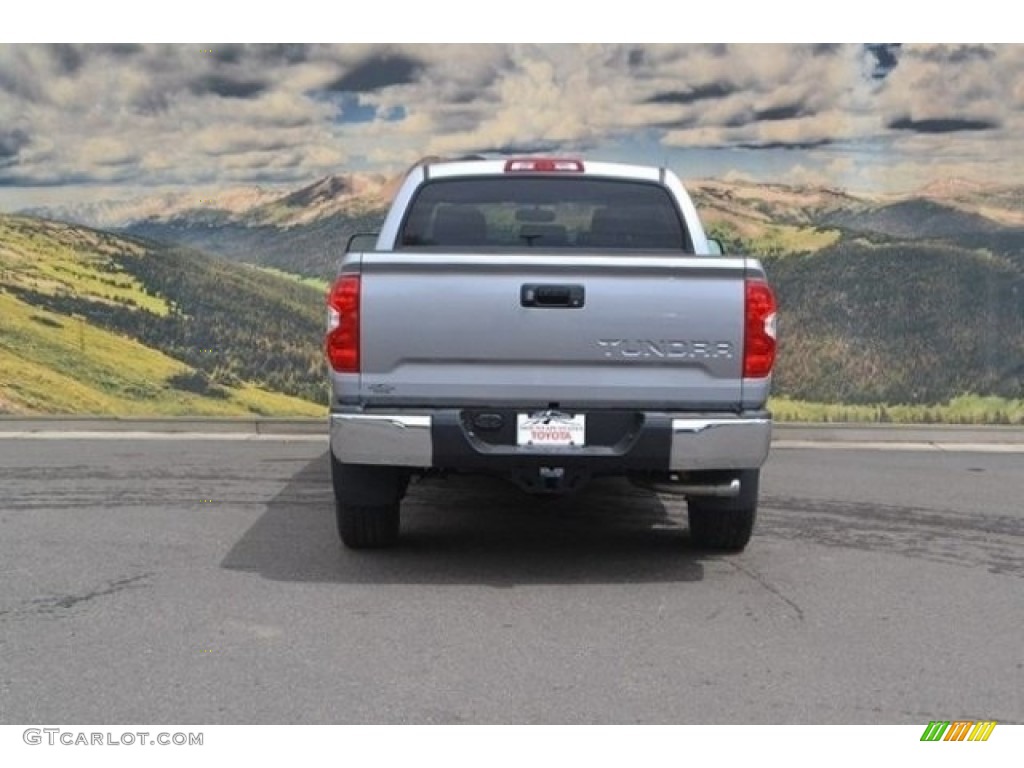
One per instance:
[(550, 429)]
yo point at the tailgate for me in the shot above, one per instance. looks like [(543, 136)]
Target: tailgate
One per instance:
[(579, 331)]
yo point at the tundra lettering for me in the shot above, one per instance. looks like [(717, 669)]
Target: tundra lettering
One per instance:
[(671, 348)]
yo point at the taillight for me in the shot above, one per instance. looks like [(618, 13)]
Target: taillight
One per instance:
[(759, 330), (343, 324), (544, 165)]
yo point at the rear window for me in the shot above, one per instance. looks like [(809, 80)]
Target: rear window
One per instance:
[(544, 212)]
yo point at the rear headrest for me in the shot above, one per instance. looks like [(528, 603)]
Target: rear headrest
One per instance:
[(608, 229), (612, 228), (459, 225), (606, 221)]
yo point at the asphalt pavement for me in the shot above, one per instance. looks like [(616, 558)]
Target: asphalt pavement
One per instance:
[(178, 576)]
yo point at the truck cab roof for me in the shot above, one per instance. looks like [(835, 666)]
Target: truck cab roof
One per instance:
[(541, 165)]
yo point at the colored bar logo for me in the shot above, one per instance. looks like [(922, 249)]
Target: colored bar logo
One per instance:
[(958, 730)]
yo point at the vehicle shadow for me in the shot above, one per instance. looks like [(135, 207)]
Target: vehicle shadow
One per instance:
[(475, 530)]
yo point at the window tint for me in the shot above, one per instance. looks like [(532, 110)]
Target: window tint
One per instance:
[(544, 212)]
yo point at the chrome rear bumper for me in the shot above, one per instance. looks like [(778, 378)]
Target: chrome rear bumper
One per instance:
[(696, 442), (720, 443), (395, 439)]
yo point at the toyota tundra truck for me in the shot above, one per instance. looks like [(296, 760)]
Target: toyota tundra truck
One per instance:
[(548, 321)]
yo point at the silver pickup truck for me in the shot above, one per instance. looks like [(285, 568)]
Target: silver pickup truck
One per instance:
[(548, 321)]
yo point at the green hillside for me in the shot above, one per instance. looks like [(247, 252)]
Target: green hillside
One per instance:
[(98, 324), (905, 310), (912, 219), (899, 322), (769, 220), (312, 249)]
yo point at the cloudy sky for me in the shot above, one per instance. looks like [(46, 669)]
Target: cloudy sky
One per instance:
[(81, 122)]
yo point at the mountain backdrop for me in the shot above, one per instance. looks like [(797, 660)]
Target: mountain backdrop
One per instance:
[(884, 300)]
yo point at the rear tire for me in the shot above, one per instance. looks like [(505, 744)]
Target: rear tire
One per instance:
[(367, 503), (363, 527), (725, 524)]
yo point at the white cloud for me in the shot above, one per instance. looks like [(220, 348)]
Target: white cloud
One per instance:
[(187, 114), (104, 150)]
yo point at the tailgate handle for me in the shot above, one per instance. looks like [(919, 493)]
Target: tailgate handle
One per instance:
[(544, 296)]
